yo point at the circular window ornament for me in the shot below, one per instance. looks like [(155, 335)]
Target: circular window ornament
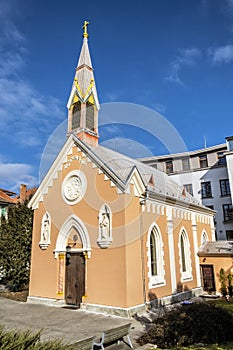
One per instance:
[(74, 187)]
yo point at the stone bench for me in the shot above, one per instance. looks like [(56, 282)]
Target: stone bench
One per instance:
[(114, 335)]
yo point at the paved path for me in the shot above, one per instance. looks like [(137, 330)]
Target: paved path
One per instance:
[(68, 325)]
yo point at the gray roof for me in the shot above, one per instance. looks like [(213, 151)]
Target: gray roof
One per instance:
[(217, 248), (156, 181)]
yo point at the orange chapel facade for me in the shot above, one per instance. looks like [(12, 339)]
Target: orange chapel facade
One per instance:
[(110, 233)]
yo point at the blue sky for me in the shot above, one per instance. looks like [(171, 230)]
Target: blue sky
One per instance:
[(172, 56)]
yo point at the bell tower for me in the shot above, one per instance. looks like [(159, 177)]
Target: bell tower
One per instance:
[(83, 105)]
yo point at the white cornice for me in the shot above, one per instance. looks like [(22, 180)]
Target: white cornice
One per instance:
[(134, 176)]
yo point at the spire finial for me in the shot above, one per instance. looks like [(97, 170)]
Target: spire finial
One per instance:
[(85, 34)]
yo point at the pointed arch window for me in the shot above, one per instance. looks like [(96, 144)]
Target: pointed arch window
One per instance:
[(153, 255), (155, 261), (90, 112), (185, 257), (76, 115)]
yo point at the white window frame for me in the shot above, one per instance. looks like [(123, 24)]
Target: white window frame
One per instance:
[(159, 279), (187, 274)]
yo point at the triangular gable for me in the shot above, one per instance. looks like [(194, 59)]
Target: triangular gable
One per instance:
[(133, 178), (51, 174), (75, 92)]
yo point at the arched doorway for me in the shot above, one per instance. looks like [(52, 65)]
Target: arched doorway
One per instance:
[(73, 240)]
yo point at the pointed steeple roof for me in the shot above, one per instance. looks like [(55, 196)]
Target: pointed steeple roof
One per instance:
[(84, 58), (84, 82)]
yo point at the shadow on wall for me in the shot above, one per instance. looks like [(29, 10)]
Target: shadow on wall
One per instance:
[(182, 293)]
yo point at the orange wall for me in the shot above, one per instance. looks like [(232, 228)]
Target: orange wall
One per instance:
[(114, 275), (218, 262)]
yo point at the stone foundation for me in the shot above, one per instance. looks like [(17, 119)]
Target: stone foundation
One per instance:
[(120, 311)]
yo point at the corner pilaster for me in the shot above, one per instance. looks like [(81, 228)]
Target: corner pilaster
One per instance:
[(195, 244), (171, 248)]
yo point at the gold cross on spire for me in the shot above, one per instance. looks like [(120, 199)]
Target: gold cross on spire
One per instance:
[(85, 34)]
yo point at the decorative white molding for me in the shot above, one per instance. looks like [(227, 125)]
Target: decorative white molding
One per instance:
[(159, 279), (73, 222), (195, 244), (74, 187), (45, 231), (105, 227), (187, 274)]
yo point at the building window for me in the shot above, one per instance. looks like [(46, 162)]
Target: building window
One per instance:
[(153, 255), (169, 166), (3, 211), (90, 116), (210, 207), (203, 161), (227, 212), (189, 188), (76, 115), (185, 258), (229, 143), (221, 158), (185, 164), (206, 191), (225, 187), (229, 234), (156, 263)]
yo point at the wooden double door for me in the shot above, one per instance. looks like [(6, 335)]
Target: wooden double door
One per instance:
[(75, 278)]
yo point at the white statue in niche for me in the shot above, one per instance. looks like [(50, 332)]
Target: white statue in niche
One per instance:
[(105, 229), (45, 231), (104, 226)]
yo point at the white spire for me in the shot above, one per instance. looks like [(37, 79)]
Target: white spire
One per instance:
[(84, 83)]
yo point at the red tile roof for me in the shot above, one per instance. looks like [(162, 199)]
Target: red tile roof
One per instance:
[(5, 196)]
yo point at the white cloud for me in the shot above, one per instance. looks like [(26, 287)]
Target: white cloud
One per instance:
[(221, 54), (229, 6), (187, 57), (26, 116), (14, 174), (112, 97), (30, 113), (159, 107)]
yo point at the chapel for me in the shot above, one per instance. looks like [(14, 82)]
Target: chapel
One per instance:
[(111, 234)]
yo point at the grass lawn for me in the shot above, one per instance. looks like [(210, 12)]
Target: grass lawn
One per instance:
[(221, 302)]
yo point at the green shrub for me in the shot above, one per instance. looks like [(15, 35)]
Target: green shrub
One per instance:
[(26, 340), (190, 324), (230, 287), (222, 277)]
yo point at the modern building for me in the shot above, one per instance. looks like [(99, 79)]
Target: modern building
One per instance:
[(110, 233), (207, 174)]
